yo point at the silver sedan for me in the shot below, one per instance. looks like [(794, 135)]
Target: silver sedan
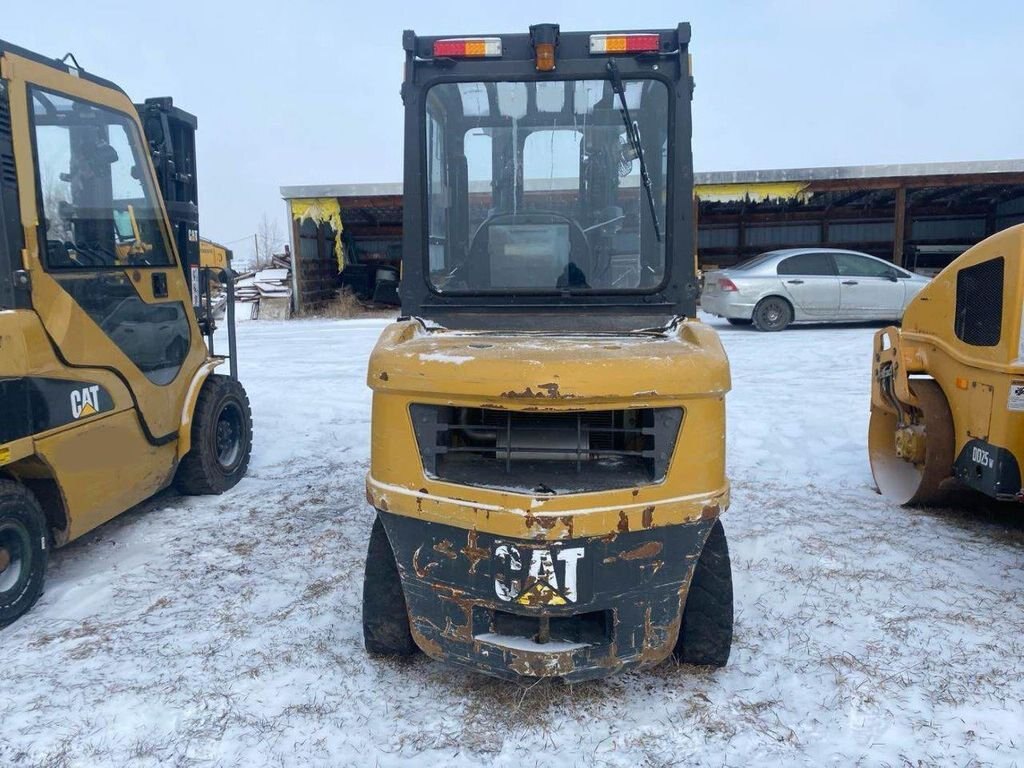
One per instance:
[(818, 285)]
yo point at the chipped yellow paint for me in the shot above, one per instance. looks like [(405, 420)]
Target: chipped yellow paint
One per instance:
[(322, 210), (685, 366)]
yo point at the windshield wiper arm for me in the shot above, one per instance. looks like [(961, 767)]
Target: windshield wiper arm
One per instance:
[(633, 135)]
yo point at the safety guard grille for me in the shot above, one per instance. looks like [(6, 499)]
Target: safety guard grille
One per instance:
[(546, 452), (979, 303)]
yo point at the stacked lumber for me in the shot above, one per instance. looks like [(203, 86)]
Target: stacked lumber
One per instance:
[(271, 287)]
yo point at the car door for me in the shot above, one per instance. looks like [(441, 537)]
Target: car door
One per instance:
[(869, 288), (809, 280)]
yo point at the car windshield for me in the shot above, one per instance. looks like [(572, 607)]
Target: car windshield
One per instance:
[(537, 187)]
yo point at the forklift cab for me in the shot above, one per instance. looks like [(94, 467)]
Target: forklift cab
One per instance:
[(107, 390), (567, 189), (548, 456)]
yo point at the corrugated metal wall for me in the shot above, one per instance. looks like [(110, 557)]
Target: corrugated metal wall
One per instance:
[(956, 230), (861, 231), (724, 242), (1009, 213)]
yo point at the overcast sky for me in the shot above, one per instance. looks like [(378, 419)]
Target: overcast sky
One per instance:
[(306, 91)]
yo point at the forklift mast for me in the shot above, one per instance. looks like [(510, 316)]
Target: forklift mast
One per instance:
[(171, 135)]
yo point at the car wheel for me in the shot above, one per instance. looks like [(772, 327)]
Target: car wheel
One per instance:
[(772, 314)]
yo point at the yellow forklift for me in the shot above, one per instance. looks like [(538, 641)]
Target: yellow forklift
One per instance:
[(107, 389), (947, 388), (548, 427)]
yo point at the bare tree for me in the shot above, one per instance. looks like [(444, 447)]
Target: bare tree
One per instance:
[(268, 240), (56, 227)]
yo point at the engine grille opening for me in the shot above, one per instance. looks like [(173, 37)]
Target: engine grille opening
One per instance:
[(546, 452)]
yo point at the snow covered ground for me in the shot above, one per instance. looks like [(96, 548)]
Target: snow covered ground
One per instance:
[(225, 631)]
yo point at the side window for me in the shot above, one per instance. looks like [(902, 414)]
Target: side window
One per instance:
[(437, 195), (98, 209), (979, 303), (851, 265), (477, 146), (807, 264)]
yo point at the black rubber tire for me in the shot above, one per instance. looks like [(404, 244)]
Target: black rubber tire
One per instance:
[(772, 313), (209, 468), (738, 321), (385, 617), (22, 529), (705, 635)]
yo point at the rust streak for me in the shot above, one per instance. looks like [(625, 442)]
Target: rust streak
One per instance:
[(425, 570), (547, 523), (710, 512), (623, 521), (430, 647), (648, 517), (541, 664), (545, 391), (455, 631), (444, 547), (473, 552), (644, 552)]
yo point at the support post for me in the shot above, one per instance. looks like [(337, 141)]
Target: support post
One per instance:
[(899, 230)]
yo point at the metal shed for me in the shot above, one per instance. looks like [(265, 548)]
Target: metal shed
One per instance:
[(919, 215)]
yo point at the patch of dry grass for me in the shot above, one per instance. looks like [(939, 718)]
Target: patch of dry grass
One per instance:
[(345, 306)]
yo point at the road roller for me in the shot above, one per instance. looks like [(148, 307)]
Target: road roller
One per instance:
[(947, 388)]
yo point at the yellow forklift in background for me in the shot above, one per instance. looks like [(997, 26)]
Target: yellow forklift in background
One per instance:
[(107, 389), (947, 389), (548, 428)]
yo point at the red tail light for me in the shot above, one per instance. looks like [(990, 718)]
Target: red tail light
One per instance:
[(468, 47), (725, 284), (635, 43)]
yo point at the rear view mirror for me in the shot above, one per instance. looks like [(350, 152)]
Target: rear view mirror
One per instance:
[(892, 274)]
